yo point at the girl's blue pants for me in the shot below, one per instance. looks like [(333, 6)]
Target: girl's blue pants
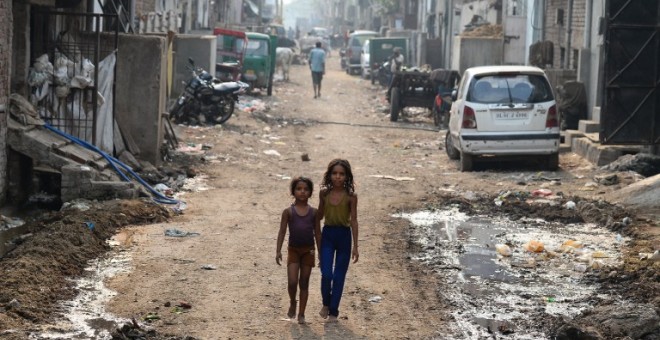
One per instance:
[(335, 256)]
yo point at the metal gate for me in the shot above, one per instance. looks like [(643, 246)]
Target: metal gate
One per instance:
[(73, 71), (631, 109)]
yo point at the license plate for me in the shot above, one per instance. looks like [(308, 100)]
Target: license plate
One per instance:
[(249, 72), (511, 115)]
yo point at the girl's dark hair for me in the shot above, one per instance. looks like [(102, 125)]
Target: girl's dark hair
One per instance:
[(349, 185), (298, 179)]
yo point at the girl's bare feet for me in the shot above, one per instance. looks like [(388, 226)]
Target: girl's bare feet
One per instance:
[(292, 310), (324, 312), (301, 319)]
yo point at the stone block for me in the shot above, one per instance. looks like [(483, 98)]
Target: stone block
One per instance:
[(111, 190), (598, 154), (569, 135), (595, 114), (588, 126)]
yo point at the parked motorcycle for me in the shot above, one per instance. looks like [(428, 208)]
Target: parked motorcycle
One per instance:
[(206, 98), (342, 58)]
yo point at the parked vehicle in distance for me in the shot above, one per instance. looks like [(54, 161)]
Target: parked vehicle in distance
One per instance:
[(365, 61), (353, 48), (315, 35), (259, 61), (503, 111), (380, 50)]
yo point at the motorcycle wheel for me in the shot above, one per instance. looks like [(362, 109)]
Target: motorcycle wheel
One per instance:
[(222, 112), (182, 113)]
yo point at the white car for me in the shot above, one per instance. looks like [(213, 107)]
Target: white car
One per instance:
[(503, 111), (364, 61)]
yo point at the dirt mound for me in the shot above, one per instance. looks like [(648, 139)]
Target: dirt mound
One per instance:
[(36, 274)]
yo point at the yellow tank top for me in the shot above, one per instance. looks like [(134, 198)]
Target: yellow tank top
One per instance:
[(339, 214)]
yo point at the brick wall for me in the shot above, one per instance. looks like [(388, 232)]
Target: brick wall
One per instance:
[(556, 32), (5, 67)]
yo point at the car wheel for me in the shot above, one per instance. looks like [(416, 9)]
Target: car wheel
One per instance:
[(394, 104), (552, 162), (452, 152), (466, 162)]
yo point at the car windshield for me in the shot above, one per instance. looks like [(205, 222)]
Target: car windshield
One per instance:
[(510, 88), (257, 48)]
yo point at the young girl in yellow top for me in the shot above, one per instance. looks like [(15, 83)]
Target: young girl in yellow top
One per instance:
[(338, 205)]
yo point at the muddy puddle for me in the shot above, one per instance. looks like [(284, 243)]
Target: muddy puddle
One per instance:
[(501, 274), (85, 316)]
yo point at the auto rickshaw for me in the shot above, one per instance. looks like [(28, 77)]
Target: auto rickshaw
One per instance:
[(230, 51), (259, 61)]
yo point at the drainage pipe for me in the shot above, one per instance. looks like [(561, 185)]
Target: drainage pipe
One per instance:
[(159, 197)]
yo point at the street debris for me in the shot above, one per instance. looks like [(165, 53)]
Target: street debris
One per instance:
[(179, 233), (393, 177)]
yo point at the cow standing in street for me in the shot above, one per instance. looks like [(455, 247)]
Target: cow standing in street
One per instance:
[(284, 57)]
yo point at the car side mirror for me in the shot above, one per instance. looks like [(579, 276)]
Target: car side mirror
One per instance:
[(454, 95)]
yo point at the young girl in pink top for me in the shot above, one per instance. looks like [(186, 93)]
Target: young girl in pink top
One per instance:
[(304, 235)]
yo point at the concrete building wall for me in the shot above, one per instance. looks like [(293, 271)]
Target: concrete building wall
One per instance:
[(473, 51), (141, 91), (6, 24), (200, 48), (557, 26)]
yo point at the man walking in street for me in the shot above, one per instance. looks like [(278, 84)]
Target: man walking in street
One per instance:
[(317, 66)]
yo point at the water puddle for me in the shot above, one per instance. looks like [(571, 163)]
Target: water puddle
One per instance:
[(85, 315), (492, 292)]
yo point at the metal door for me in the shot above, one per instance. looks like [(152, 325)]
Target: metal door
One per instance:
[(631, 108)]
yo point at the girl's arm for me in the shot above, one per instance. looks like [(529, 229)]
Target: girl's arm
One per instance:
[(354, 226), (317, 233), (280, 236), (317, 222)]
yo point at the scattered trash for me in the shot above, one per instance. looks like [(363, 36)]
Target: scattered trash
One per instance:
[(549, 299), (164, 189), (524, 263), (580, 267), (599, 255), (305, 157), (179, 233), (542, 192), (650, 256), (619, 238), (393, 177), (534, 246), (272, 153), (375, 299), (570, 205), (503, 249), (151, 316), (90, 225), (609, 179), (570, 246), (209, 267), (626, 221), (589, 186)]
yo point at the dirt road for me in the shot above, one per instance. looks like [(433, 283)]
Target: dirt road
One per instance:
[(235, 203)]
